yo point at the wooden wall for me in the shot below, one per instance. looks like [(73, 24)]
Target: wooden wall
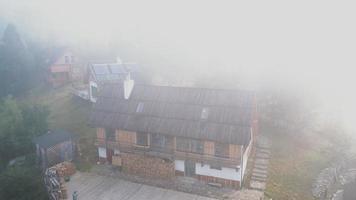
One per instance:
[(125, 136), (209, 148), (100, 133), (235, 151), (129, 138)]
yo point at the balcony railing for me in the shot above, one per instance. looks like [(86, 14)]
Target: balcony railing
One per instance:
[(168, 152)]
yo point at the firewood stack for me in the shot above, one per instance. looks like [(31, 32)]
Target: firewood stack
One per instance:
[(56, 175), (65, 169), (64, 193)]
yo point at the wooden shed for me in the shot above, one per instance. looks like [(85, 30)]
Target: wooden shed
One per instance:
[(54, 147)]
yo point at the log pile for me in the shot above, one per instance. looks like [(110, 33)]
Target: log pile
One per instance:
[(54, 180), (52, 183), (64, 193), (64, 169), (116, 161)]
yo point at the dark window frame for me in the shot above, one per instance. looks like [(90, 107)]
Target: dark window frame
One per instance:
[(159, 140), (197, 146), (142, 139), (222, 150), (182, 144), (189, 145), (215, 166), (110, 133), (94, 91)]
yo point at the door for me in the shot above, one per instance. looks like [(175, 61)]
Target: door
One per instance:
[(109, 154), (189, 168)]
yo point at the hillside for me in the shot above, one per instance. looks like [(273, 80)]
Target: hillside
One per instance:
[(69, 113)]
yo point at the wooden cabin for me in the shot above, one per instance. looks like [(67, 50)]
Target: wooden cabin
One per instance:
[(64, 67), (162, 132)]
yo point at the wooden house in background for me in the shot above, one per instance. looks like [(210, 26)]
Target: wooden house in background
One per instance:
[(101, 73), (54, 147), (63, 67), (161, 131)]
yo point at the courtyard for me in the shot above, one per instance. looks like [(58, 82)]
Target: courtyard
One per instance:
[(95, 187)]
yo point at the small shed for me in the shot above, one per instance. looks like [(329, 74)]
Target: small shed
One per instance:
[(54, 147)]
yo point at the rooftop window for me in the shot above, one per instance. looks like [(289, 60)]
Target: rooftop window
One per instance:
[(139, 108), (204, 113)]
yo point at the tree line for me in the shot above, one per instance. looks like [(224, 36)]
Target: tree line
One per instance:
[(21, 69)]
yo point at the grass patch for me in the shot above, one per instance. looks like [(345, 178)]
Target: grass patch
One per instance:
[(295, 162)]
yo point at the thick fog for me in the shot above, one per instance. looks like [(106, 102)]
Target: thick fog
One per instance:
[(304, 46)]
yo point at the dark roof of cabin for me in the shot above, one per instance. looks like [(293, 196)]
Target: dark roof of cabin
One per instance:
[(52, 138), (177, 111)]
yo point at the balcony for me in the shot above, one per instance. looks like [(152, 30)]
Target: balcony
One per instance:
[(169, 153)]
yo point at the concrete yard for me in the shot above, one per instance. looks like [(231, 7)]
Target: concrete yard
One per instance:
[(95, 187)]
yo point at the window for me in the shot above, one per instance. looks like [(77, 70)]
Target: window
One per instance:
[(142, 139), (72, 59), (139, 108), (66, 59), (197, 146), (204, 113), (215, 166), (182, 144), (94, 91), (237, 169), (190, 145), (110, 134), (221, 150), (159, 140)]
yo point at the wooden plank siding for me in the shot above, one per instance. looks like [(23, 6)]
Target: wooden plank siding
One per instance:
[(209, 148), (128, 139), (125, 136), (234, 151), (100, 133)]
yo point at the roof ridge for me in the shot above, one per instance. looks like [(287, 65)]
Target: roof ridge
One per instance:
[(201, 88), (178, 103)]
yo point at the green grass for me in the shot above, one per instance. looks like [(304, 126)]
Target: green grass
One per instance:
[(296, 161), (71, 114)]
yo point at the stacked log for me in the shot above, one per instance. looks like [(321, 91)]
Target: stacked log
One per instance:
[(116, 161), (64, 193), (54, 179), (65, 169), (146, 166), (52, 183)]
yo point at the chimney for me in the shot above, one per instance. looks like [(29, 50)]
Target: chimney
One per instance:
[(118, 60), (128, 86)]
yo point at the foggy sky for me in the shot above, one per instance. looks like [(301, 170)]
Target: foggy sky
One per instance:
[(307, 45)]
